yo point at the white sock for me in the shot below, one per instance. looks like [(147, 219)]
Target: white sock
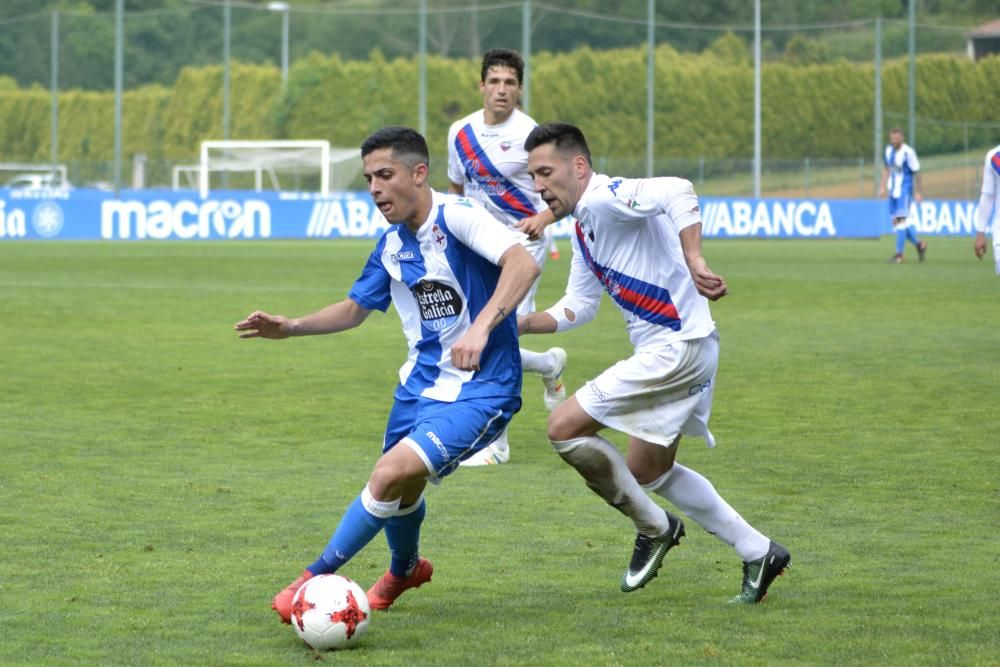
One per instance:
[(697, 498), (501, 443), (604, 469), (537, 362)]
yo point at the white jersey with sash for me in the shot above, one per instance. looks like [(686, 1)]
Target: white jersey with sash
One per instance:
[(439, 279), (626, 241), (492, 165)]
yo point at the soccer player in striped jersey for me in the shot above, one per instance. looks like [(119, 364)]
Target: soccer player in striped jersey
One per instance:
[(901, 181), (639, 240), (988, 215), (487, 163), (455, 276)]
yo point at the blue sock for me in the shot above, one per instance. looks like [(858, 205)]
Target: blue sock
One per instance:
[(403, 535), (356, 529), (912, 236), (900, 240)]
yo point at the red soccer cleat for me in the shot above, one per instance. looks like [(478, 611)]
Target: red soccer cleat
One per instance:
[(282, 602), (389, 587)]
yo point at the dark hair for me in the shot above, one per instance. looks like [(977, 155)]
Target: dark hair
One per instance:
[(407, 144), (503, 58), (566, 138)]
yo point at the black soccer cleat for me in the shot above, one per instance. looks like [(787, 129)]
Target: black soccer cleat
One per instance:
[(922, 250), (647, 556), (758, 574)]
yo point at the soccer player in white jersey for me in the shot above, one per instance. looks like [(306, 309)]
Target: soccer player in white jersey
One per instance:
[(455, 275), (988, 216), (487, 163), (901, 181), (640, 241)]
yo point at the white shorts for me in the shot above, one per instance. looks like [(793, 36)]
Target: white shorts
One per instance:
[(658, 394), (539, 252)]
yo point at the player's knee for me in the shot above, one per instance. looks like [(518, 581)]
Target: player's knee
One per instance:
[(388, 479), (561, 427)]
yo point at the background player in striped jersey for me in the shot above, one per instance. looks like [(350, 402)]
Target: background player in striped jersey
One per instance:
[(455, 276), (988, 216), (640, 240), (487, 163), (901, 181)]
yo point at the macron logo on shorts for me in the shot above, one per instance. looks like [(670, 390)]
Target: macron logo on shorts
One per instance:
[(440, 445)]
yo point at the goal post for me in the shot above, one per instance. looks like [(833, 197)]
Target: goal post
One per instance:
[(277, 158)]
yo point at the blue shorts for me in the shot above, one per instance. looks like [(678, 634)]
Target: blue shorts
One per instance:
[(443, 434), (899, 207)]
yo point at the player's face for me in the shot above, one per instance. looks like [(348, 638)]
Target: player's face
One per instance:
[(394, 185), (896, 139), (559, 178), (501, 93)]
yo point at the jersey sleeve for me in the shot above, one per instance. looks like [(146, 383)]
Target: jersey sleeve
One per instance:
[(912, 160), (582, 297), (456, 171), (641, 198), (371, 289), (987, 197), (476, 228)]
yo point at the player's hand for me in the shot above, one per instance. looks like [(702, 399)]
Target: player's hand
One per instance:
[(917, 197), (466, 352), (259, 324), (980, 245), (533, 226), (881, 191), (710, 285)]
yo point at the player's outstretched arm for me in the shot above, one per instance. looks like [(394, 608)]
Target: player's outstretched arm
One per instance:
[(517, 271), (339, 316), (709, 285), (534, 225)]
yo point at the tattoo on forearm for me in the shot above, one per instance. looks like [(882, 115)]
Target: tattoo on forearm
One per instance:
[(502, 312)]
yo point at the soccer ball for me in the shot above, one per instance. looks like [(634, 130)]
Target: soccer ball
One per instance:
[(330, 612)]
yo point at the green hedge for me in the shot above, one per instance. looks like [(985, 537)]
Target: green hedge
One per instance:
[(703, 105)]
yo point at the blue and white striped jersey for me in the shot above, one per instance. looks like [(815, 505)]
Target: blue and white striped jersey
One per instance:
[(439, 279), (902, 165)]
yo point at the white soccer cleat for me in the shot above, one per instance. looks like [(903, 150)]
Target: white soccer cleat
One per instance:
[(555, 390), (488, 456)]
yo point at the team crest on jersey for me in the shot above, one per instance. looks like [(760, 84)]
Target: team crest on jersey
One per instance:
[(440, 240), (440, 304), (505, 146)]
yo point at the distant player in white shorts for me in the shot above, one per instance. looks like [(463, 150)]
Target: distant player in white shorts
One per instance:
[(640, 241), (488, 164), (988, 216)]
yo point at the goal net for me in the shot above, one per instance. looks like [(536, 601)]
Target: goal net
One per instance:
[(294, 165), (32, 174)]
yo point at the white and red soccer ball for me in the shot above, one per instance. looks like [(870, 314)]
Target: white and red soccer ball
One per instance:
[(330, 612)]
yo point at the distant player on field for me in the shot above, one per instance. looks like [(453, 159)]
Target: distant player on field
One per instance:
[(487, 163), (901, 181), (455, 275), (989, 208), (640, 240)]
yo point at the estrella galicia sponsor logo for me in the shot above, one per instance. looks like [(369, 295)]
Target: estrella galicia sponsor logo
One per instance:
[(433, 437), (440, 305), (185, 219), (47, 219)]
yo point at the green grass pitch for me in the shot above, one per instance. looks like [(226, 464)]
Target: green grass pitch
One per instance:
[(160, 479)]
